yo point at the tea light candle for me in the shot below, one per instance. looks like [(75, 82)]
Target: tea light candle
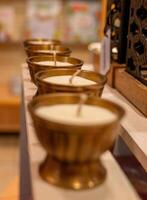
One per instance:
[(48, 51), (65, 80), (52, 63), (67, 114), (40, 42)]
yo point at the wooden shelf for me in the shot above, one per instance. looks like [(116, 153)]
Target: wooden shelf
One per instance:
[(134, 126), (12, 1), (115, 187), (9, 110), (11, 44)]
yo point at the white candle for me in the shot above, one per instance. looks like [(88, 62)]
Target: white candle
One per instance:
[(40, 42), (52, 63), (48, 51), (67, 114), (65, 80)]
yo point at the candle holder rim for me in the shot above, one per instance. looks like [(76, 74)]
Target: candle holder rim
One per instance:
[(39, 49), (31, 108), (29, 60), (28, 42), (103, 79)]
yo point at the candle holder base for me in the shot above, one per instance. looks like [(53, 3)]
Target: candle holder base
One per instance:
[(76, 176)]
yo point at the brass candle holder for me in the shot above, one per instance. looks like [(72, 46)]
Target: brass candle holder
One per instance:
[(40, 41), (34, 66), (46, 87), (73, 151), (47, 50)]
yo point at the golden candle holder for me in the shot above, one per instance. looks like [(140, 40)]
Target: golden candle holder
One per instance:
[(40, 41), (47, 50), (47, 87), (73, 151), (34, 66)]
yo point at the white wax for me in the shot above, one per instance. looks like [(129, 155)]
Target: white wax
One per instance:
[(66, 114), (52, 63), (40, 42), (64, 80), (48, 51)]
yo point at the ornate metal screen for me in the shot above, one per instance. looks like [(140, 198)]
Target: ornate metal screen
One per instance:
[(118, 19), (137, 40)]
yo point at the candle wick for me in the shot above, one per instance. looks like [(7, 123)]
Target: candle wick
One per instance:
[(83, 98), (52, 47), (74, 75), (55, 57)]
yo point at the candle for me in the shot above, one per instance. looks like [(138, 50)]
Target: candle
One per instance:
[(48, 51), (74, 143), (67, 114), (65, 80), (52, 63), (41, 42)]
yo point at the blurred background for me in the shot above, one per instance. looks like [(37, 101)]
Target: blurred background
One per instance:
[(76, 23)]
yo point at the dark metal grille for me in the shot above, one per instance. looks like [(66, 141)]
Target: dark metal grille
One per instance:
[(118, 19), (137, 40)]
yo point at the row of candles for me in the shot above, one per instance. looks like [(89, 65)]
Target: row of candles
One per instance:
[(72, 123)]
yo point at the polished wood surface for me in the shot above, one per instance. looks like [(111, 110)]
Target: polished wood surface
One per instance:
[(111, 75), (11, 192), (132, 89), (9, 110)]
